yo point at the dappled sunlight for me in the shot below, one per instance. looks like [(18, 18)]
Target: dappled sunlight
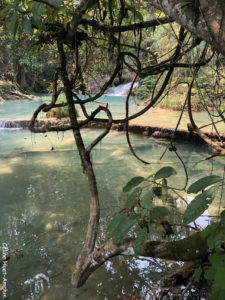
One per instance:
[(49, 226), (5, 170), (15, 160)]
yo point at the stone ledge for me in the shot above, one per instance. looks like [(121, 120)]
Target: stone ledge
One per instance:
[(148, 131)]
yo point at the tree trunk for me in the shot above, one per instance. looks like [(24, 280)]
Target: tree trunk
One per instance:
[(21, 76), (210, 26)]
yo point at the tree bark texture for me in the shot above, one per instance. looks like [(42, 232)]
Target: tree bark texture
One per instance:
[(191, 248), (211, 24)]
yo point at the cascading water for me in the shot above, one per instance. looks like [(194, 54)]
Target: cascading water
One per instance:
[(10, 124), (121, 90)]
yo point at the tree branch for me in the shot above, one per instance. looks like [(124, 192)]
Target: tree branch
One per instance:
[(188, 249), (124, 28)]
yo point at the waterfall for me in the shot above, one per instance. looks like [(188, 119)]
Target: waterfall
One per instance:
[(121, 90), (10, 124)]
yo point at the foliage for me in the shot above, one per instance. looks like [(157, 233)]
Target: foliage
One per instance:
[(146, 86), (139, 211), (58, 112)]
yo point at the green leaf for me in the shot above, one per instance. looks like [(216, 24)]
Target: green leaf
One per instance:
[(13, 23), (198, 205), (26, 24), (101, 42), (186, 3), (209, 230), (217, 273), (124, 227), (209, 274), (37, 12), (55, 3), (165, 172), (202, 183), (159, 212), (146, 200), (112, 227), (133, 197), (216, 239), (140, 241), (218, 294), (87, 16), (132, 183), (198, 274), (139, 16)]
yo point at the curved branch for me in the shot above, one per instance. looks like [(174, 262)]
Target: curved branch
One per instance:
[(127, 125), (191, 248), (105, 132), (124, 28)]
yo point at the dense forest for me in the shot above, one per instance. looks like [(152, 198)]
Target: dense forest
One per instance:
[(175, 51)]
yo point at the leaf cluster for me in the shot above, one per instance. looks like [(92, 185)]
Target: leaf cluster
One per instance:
[(139, 209)]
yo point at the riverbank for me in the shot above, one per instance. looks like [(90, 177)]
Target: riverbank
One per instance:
[(10, 91)]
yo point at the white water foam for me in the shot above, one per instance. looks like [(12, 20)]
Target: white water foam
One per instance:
[(9, 124), (121, 90)]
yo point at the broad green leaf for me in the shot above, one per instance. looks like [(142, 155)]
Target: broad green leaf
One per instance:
[(209, 230), (202, 183), (133, 197), (146, 200), (132, 183), (159, 212), (37, 12), (218, 294), (112, 227), (165, 172), (209, 274), (139, 16), (13, 22), (217, 260), (140, 241), (198, 274), (124, 227), (219, 278), (217, 273), (216, 238), (198, 205), (55, 3), (26, 24)]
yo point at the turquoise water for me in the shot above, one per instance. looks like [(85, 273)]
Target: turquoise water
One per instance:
[(24, 109), (44, 212), (45, 207), (18, 109)]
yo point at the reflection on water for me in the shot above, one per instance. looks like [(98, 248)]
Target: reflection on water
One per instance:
[(44, 211)]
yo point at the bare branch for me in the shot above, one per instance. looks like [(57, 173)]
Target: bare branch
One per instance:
[(124, 28)]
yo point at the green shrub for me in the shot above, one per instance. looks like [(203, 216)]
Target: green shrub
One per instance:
[(58, 112), (146, 86)]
